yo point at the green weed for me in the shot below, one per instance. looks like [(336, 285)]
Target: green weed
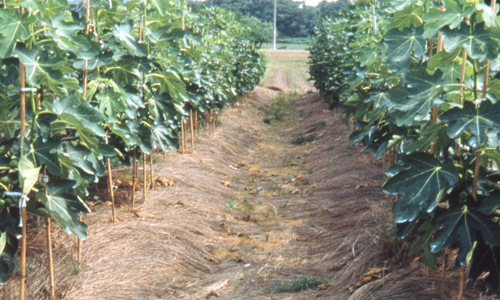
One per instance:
[(303, 139), (280, 107), (298, 285)]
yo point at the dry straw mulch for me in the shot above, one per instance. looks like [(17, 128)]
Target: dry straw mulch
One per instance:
[(247, 209)]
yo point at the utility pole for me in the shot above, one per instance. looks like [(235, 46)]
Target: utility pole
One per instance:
[(274, 33)]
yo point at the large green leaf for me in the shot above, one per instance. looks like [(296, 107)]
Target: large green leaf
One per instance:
[(65, 207), (476, 121), (452, 16), (479, 44), (122, 33), (12, 29), (402, 45), (432, 133), (46, 154), (422, 182), (460, 227), (28, 173), (423, 93)]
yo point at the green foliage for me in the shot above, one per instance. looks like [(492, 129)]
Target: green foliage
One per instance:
[(293, 18), (374, 60), (146, 64), (280, 106)]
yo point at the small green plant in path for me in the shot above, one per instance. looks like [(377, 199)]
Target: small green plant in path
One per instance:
[(298, 285), (280, 106)]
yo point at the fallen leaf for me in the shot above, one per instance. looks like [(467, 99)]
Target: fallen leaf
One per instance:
[(337, 266), (372, 274), (202, 161), (323, 286), (226, 183), (361, 185), (214, 261), (212, 293), (212, 150)]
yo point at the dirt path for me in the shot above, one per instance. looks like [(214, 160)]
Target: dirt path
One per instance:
[(251, 210)]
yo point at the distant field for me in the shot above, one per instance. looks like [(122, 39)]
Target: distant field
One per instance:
[(284, 46)]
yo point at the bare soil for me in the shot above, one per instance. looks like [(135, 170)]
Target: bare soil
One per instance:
[(244, 212)]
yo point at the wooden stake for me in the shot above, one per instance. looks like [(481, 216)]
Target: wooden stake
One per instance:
[(196, 123), (182, 138), (51, 260), (145, 186), (110, 186), (209, 120), (443, 282), (85, 79), (214, 121), (461, 283), (22, 86), (431, 46), (134, 176), (192, 127), (151, 181)]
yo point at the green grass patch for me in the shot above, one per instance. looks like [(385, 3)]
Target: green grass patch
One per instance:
[(298, 285), (304, 139), (283, 104)]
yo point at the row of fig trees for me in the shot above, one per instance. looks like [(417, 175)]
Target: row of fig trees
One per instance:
[(83, 82), (421, 78)]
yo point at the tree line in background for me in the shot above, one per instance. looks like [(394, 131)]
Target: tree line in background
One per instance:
[(294, 19)]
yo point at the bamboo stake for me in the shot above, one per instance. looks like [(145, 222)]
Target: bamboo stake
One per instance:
[(185, 137), (22, 96), (110, 186), (85, 79), (182, 137), (145, 186), (443, 282), (209, 122), (192, 127), (51, 261), (151, 181), (134, 175), (196, 123), (431, 46), (461, 283), (214, 121)]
